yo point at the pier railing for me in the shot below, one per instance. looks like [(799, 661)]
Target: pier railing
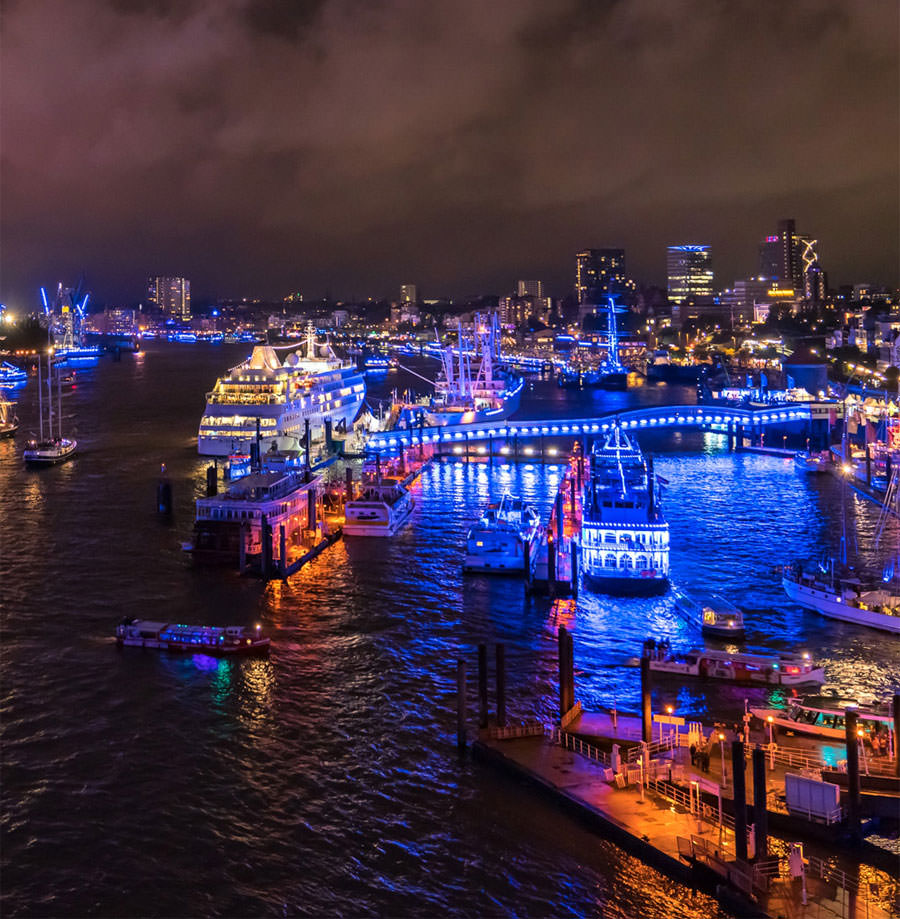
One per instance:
[(526, 729), (667, 744), (577, 745), (676, 795)]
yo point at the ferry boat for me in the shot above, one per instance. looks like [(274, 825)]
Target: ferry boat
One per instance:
[(380, 509), (846, 598), (624, 536), (821, 716), (280, 397), (499, 540), (782, 669), (217, 641), (244, 522), (716, 616), (54, 448), (12, 376), (9, 423), (811, 462)]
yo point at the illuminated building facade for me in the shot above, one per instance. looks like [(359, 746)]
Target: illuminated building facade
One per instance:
[(689, 270), (530, 289), (599, 273), (171, 296), (793, 260), (409, 293)]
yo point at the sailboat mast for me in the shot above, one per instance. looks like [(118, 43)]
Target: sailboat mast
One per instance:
[(40, 398), (59, 400), (49, 396)]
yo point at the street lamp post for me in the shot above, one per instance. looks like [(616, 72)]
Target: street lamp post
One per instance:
[(771, 722), (722, 755)]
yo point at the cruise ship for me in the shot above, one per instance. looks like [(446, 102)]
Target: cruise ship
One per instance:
[(278, 397), (624, 536)]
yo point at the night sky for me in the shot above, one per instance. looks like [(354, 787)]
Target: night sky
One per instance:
[(351, 146)]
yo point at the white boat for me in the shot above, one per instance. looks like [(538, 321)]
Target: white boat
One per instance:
[(54, 448), (848, 599), (12, 376), (216, 641), (380, 509), (501, 537), (824, 717), (715, 616), (624, 536), (811, 462), (9, 423), (279, 398), (779, 669)]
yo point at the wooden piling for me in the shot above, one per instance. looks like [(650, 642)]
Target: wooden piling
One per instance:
[(570, 670), (739, 781), (461, 704), (646, 714), (501, 686), (482, 687), (348, 483), (760, 797), (563, 652), (851, 722), (573, 546), (282, 550), (559, 515), (212, 485), (164, 493)]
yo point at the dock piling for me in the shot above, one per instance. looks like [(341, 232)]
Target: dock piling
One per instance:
[(851, 721), (501, 686), (482, 687), (461, 704), (646, 714), (282, 550), (311, 509), (551, 565), (896, 737), (164, 493), (212, 485), (559, 515), (348, 483), (738, 766), (760, 797), (563, 650), (573, 546)]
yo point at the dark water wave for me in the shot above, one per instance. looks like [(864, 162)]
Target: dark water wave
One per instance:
[(325, 781)]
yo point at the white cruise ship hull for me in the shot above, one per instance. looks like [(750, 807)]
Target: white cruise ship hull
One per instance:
[(828, 604)]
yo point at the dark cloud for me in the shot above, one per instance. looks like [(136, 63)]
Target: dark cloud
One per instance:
[(258, 147)]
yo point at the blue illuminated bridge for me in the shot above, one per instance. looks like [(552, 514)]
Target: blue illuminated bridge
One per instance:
[(725, 419)]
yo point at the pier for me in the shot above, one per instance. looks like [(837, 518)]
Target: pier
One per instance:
[(636, 780)]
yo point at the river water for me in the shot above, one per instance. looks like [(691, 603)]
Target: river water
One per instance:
[(325, 780)]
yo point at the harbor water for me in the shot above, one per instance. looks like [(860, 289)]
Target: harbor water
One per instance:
[(325, 780)]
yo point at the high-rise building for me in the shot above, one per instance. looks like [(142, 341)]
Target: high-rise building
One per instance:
[(599, 273), (793, 260), (689, 270), (409, 293), (530, 289), (172, 296)]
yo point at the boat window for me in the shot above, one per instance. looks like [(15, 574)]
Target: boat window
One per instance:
[(610, 561)]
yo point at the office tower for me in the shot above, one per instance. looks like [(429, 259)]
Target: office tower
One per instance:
[(409, 293), (689, 270), (530, 289), (599, 273), (794, 260), (172, 296)]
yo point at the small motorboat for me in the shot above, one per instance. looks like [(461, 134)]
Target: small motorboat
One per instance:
[(812, 463), (716, 616)]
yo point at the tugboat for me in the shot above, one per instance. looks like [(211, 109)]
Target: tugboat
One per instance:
[(498, 541), (217, 641), (624, 536), (781, 669)]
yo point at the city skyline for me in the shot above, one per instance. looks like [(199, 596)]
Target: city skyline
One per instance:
[(324, 147)]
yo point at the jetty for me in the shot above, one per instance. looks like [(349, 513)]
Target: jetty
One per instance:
[(729, 823)]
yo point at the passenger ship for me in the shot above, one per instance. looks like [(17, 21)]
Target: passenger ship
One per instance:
[(624, 537), (279, 398)]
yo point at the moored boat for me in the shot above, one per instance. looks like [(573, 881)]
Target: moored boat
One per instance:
[(380, 509), (774, 669), (848, 598), (12, 376), (715, 616), (624, 536), (811, 462), (54, 448), (502, 537), (825, 717), (217, 641), (9, 423)]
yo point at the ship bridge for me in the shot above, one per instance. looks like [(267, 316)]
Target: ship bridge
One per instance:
[(723, 419)]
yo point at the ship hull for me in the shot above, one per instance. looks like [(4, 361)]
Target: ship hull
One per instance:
[(624, 586), (822, 602), (449, 419)]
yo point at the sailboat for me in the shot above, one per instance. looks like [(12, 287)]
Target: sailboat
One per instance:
[(54, 448), (9, 423)]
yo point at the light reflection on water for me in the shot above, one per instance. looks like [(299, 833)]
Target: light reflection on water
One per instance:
[(324, 780)]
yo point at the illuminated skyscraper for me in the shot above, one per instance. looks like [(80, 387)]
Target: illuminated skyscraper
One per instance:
[(172, 296), (690, 273), (409, 293), (793, 260), (530, 289), (599, 273)]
